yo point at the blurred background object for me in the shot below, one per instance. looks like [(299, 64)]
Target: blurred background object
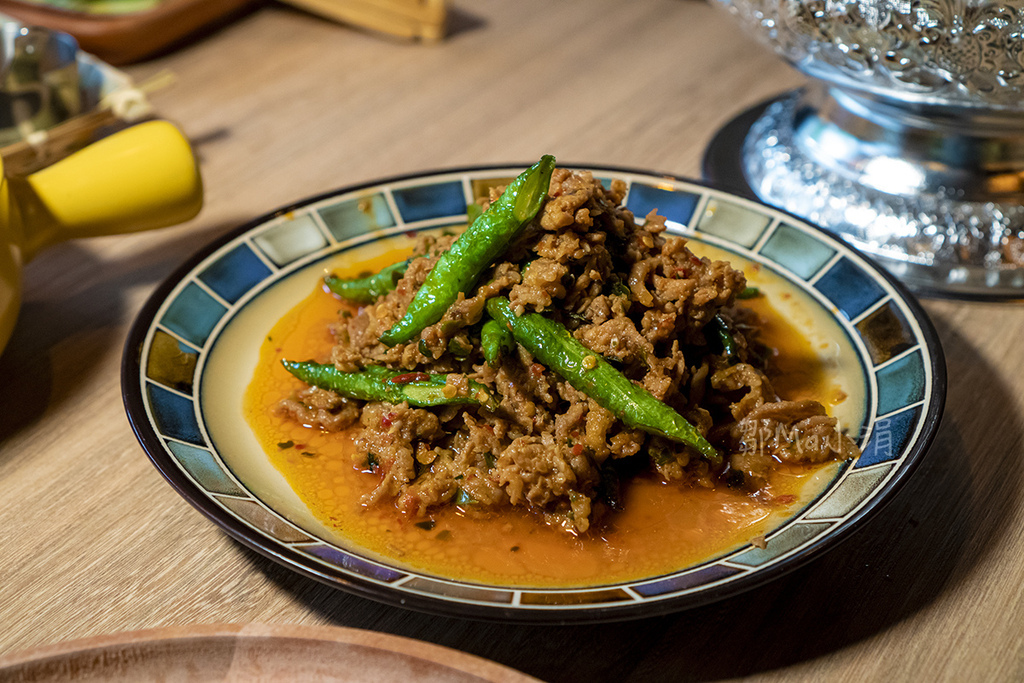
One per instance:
[(126, 31), (56, 99), (909, 141), (40, 84), (140, 178), (66, 170), (423, 19)]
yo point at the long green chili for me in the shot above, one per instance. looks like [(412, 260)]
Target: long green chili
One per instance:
[(394, 386), (366, 290), (458, 269), (553, 345), (496, 340)]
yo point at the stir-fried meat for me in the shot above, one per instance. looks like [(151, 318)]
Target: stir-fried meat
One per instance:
[(629, 293)]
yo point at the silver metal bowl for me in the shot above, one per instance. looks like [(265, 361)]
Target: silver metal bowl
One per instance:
[(909, 140)]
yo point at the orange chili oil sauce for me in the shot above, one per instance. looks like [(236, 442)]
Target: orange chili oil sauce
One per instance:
[(664, 527)]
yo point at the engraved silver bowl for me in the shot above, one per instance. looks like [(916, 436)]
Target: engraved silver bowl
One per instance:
[(909, 139)]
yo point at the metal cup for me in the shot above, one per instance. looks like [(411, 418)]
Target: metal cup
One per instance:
[(39, 81), (909, 140)]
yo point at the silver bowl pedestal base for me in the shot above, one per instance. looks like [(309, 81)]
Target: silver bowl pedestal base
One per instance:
[(935, 195)]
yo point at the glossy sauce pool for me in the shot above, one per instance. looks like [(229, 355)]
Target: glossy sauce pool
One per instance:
[(663, 528)]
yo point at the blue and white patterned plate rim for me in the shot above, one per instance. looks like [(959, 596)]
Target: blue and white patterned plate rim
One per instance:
[(800, 539)]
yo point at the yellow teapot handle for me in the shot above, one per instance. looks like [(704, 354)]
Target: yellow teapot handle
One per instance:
[(140, 178)]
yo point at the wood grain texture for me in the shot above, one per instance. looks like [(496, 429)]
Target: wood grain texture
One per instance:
[(282, 105), (246, 653)]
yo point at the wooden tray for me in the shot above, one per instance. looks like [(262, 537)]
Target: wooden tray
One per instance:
[(126, 38), (253, 653)]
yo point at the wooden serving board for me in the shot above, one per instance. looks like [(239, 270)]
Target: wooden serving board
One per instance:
[(120, 39)]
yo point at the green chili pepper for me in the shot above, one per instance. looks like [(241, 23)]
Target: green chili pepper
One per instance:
[(458, 269), (473, 211), (366, 290), (496, 340), (394, 386), (553, 345)]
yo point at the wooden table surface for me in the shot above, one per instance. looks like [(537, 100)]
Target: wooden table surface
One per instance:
[(281, 105)]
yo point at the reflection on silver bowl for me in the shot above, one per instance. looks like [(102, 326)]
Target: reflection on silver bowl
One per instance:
[(910, 140)]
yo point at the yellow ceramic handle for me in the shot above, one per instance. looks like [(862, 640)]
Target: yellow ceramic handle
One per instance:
[(140, 178)]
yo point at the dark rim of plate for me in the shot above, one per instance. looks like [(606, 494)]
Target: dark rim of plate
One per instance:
[(134, 406)]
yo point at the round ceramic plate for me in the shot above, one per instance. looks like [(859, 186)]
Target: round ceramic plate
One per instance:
[(193, 349), (253, 652)]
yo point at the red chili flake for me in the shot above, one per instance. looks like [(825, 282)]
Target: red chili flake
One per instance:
[(409, 377), (786, 499), (577, 449), (696, 261), (411, 234), (537, 369), (387, 420)]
